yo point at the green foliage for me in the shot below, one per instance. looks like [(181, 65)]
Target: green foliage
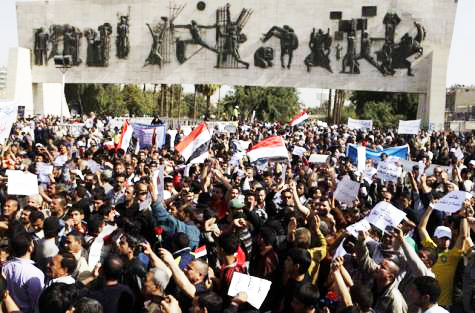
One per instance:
[(399, 106), (270, 104), (382, 114), (207, 90), (111, 99)]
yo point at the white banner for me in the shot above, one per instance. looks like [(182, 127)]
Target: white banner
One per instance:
[(385, 214), (318, 158), (8, 116), (389, 170), (22, 183), (452, 202), (409, 127), (346, 191), (359, 124)]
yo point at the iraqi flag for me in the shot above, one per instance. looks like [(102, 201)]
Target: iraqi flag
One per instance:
[(270, 148), (127, 131), (299, 118), (194, 147)]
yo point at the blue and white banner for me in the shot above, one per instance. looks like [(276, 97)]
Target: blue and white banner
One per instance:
[(401, 152)]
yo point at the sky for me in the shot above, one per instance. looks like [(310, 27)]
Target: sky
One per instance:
[(461, 68)]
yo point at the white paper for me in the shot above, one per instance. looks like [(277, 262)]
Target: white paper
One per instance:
[(299, 151), (256, 288), (385, 214), (355, 228), (359, 124), (318, 158), (409, 127), (389, 170), (346, 191), (459, 154), (22, 183), (452, 202)]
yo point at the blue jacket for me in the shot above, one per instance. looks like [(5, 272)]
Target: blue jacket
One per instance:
[(173, 225)]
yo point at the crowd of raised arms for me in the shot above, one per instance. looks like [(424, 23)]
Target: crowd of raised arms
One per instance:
[(143, 231)]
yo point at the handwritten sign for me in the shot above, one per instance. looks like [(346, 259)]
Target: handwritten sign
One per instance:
[(346, 191), (355, 228), (256, 288), (409, 127), (452, 202), (318, 158), (389, 170), (22, 183), (8, 115), (385, 214), (359, 124)]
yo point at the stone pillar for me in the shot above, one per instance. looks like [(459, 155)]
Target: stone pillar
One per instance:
[(19, 81)]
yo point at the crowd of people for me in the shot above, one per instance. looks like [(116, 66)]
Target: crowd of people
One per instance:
[(143, 231)]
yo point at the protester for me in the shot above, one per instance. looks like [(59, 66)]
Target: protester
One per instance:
[(151, 226)]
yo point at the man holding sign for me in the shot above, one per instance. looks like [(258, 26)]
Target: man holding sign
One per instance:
[(444, 268)]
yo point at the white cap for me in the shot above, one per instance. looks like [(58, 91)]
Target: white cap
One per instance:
[(443, 231), (472, 162)]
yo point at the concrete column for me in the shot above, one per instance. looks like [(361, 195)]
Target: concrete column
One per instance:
[(19, 79)]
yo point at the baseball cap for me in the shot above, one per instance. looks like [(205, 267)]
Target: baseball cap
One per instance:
[(443, 231), (236, 203)]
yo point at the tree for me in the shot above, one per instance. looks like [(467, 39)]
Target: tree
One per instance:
[(207, 90), (382, 114), (404, 104), (269, 103)]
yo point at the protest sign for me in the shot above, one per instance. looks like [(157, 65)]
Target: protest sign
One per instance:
[(359, 124), (355, 228), (409, 127), (318, 158), (8, 116), (22, 183), (299, 151), (346, 191), (408, 165), (452, 202), (389, 170), (385, 214), (256, 288), (361, 159), (44, 170)]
